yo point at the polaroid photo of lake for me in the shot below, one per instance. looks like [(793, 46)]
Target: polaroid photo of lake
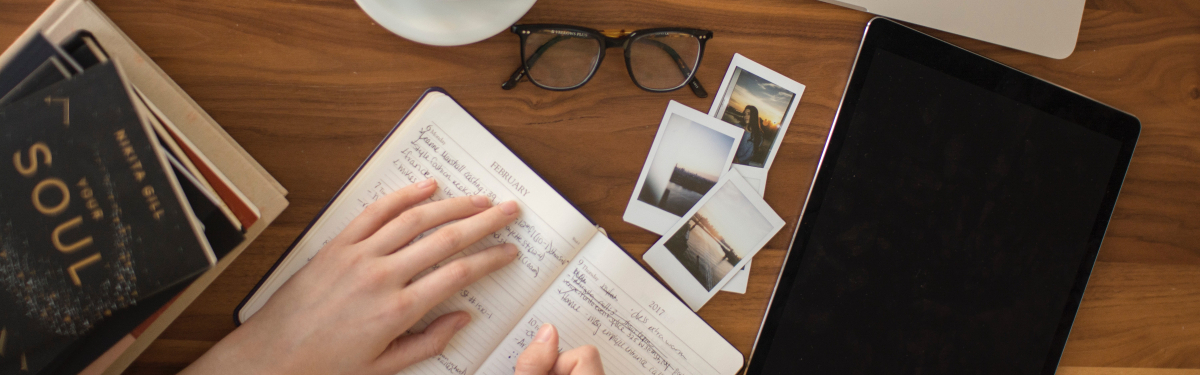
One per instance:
[(762, 102), (689, 154), (718, 236)]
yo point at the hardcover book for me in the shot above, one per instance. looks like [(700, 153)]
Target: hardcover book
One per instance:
[(568, 273), (221, 228), (248, 195), (92, 218)]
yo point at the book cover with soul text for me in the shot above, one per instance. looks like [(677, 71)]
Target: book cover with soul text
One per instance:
[(91, 220)]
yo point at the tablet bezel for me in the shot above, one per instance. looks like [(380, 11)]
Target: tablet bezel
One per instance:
[(882, 33)]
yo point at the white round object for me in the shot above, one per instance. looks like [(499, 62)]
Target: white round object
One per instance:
[(446, 22)]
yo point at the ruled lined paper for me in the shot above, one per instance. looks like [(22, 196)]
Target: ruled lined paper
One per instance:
[(498, 300), (605, 299), (440, 140)]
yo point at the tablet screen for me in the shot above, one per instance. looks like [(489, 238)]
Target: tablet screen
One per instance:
[(948, 236)]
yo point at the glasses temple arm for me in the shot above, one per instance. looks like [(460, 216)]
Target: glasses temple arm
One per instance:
[(697, 88), (514, 78)]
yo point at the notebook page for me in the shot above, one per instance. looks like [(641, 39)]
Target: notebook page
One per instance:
[(441, 140), (604, 298)]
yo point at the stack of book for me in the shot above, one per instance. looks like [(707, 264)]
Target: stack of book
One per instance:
[(120, 198)]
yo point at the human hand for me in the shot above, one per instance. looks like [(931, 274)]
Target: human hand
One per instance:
[(345, 312), (542, 358)]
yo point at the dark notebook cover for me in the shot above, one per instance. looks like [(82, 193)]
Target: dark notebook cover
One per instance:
[(69, 357), (91, 346), (32, 55), (90, 222), (222, 236), (83, 48), (53, 70)]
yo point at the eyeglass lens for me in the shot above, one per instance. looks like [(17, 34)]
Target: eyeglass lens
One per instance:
[(560, 59), (563, 59), (663, 60)]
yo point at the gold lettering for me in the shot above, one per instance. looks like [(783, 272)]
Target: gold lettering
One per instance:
[(85, 191), (94, 206), (153, 202), (138, 173), (56, 237), (74, 269), (89, 199), (62, 205), (66, 103), (37, 148)]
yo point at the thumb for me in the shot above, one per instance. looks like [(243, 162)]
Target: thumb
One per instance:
[(539, 357)]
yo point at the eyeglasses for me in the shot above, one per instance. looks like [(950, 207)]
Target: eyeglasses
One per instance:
[(561, 57)]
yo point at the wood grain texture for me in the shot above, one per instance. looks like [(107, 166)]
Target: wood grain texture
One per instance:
[(309, 87), (1069, 370)]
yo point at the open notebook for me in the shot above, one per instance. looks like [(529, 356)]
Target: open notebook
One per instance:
[(569, 272)]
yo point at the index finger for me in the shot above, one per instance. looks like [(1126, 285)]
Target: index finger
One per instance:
[(375, 215), (451, 239)]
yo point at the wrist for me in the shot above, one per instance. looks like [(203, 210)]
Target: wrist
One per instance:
[(240, 352)]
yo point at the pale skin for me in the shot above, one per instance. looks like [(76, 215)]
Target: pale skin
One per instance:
[(347, 310)]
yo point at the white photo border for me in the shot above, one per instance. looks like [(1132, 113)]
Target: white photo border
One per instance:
[(721, 101), (656, 219), (673, 272)]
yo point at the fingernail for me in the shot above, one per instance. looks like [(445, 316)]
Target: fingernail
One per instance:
[(510, 250), (544, 333), (427, 183), (509, 208), (481, 201), (462, 322)]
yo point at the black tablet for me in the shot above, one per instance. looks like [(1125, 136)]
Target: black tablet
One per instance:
[(953, 220)]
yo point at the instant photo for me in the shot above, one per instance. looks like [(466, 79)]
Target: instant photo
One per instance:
[(718, 236), (761, 102), (688, 157)]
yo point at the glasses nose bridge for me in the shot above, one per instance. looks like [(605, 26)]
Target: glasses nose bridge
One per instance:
[(615, 42), (615, 38)]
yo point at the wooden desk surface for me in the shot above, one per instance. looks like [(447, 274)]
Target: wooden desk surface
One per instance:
[(309, 87)]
